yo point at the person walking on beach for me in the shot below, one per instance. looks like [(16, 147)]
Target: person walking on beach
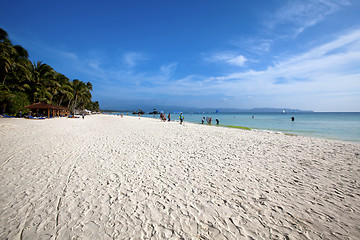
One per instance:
[(181, 117), (203, 120), (217, 121), (83, 115), (169, 117)]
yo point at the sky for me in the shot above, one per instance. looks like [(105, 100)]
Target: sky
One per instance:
[(298, 54)]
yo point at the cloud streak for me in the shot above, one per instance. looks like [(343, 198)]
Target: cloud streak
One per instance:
[(231, 58), (299, 15), (131, 59), (325, 75), (329, 70)]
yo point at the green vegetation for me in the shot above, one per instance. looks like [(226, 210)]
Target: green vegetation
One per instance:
[(229, 126), (23, 82)]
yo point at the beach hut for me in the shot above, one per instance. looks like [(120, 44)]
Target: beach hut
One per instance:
[(48, 109)]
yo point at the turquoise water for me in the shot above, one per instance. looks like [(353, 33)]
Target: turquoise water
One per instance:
[(340, 126)]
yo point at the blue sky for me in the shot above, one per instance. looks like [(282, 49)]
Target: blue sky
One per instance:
[(301, 54)]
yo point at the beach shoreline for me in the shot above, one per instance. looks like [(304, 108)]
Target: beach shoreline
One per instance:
[(336, 126), (108, 177)]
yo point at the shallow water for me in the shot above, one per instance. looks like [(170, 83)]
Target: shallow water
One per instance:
[(340, 126)]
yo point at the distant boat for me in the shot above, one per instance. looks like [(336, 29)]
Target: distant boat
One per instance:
[(154, 112), (217, 111), (283, 112), (140, 111)]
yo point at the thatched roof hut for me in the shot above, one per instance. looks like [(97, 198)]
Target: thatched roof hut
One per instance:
[(50, 109)]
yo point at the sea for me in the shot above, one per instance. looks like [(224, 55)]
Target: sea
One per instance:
[(329, 125)]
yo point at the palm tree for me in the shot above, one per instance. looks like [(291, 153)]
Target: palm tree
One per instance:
[(81, 93), (64, 90), (13, 69), (11, 56), (43, 78), (23, 81), (6, 50)]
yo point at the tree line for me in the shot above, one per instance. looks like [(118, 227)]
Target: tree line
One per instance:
[(23, 82)]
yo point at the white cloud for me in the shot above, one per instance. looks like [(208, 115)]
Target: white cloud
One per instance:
[(261, 45), (68, 55), (131, 59), (324, 76), (327, 73), (255, 45), (168, 69), (237, 60), (301, 14), (229, 58)]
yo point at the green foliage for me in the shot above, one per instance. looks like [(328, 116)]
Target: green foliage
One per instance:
[(17, 102), (23, 82), (93, 106)]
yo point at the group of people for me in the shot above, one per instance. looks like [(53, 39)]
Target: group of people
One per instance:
[(209, 120), (181, 118), (163, 117)]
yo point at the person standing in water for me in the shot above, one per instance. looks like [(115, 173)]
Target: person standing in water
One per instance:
[(181, 117), (169, 117)]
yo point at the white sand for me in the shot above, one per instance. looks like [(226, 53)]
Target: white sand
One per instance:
[(108, 177)]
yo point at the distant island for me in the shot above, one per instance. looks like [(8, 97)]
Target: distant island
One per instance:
[(171, 109)]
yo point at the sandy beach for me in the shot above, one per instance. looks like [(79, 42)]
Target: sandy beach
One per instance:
[(107, 177)]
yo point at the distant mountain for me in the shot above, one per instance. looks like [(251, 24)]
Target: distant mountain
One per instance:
[(254, 110), (287, 110), (171, 109)]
